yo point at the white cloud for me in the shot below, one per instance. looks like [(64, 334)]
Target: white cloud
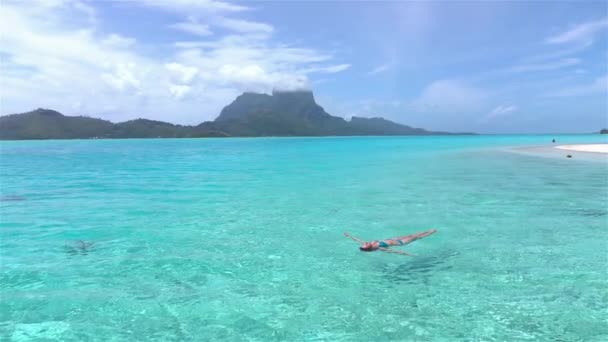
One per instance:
[(179, 90), (554, 65), (597, 86), (65, 66), (451, 96), (244, 73), (87, 9), (244, 26), (562, 52), (500, 111), (80, 10), (123, 78), (189, 6), (335, 68), (29, 36), (584, 32), (292, 83), (181, 73), (331, 69), (109, 75), (116, 40), (192, 26), (379, 69), (64, 58), (254, 64), (253, 77), (214, 13)]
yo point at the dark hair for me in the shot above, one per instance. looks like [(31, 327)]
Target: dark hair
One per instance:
[(365, 249)]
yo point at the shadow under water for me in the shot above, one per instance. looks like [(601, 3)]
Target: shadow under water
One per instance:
[(12, 198), (419, 269), (591, 212), (78, 247)]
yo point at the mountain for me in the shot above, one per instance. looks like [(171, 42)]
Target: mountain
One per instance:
[(296, 113), (144, 128), (293, 113), (380, 126), (604, 131), (49, 124)]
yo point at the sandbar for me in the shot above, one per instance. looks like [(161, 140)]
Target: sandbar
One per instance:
[(595, 148)]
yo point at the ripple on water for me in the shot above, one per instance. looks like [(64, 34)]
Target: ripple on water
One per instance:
[(54, 331)]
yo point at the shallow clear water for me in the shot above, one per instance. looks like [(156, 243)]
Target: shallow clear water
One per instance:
[(241, 240)]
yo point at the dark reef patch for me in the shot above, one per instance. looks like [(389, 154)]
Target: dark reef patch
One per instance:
[(78, 247)]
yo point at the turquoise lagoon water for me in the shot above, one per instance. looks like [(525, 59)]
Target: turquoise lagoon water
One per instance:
[(241, 240)]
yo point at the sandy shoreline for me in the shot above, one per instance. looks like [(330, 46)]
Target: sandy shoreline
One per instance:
[(587, 152), (595, 148)]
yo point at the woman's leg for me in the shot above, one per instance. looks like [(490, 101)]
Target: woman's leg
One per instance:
[(413, 237), (425, 234)]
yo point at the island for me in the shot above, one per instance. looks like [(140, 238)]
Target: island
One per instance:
[(282, 113)]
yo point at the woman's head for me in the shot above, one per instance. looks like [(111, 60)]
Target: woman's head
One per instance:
[(367, 247)]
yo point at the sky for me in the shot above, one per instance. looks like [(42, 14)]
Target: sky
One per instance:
[(486, 67)]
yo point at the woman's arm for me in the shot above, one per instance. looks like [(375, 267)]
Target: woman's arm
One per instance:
[(352, 237), (396, 252)]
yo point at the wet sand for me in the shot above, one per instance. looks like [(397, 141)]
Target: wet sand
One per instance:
[(589, 152), (593, 148)]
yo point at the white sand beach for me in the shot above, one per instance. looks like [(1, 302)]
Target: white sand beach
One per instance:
[(596, 148)]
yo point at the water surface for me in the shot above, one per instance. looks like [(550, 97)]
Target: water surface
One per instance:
[(241, 240)]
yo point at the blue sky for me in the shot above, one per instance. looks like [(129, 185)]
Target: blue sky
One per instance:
[(488, 67)]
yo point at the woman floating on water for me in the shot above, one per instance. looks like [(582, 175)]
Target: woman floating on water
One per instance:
[(383, 245)]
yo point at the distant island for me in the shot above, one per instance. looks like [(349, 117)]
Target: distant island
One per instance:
[(284, 113), (604, 131)]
